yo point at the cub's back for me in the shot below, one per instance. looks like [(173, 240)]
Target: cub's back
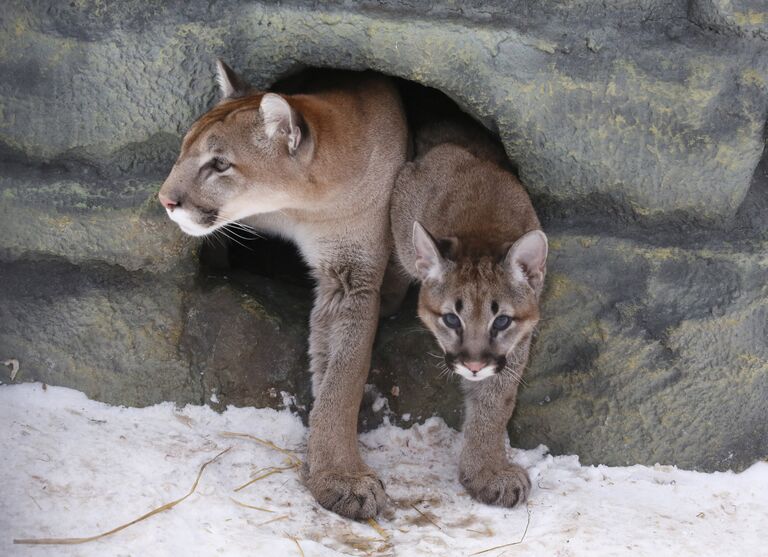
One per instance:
[(458, 191)]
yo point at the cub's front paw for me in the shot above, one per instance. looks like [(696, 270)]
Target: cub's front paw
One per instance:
[(356, 496), (505, 486)]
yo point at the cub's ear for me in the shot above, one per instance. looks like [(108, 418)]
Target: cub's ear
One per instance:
[(231, 85), (280, 119), (527, 259), (429, 262)]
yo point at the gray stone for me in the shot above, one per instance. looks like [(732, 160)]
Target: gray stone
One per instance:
[(138, 338), (116, 221), (747, 18), (657, 354), (108, 332), (664, 117)]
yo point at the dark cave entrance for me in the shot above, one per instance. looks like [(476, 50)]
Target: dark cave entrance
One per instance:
[(245, 261), (244, 253)]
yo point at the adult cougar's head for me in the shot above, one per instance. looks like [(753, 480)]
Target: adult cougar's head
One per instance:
[(248, 155), (480, 309)]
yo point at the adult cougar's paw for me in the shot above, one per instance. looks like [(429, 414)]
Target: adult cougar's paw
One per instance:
[(506, 486), (356, 496)]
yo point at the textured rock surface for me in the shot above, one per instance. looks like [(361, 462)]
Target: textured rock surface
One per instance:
[(642, 107), (637, 126), (136, 338), (747, 18), (108, 332), (668, 342)]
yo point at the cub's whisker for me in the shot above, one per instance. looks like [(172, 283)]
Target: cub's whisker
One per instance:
[(509, 372)]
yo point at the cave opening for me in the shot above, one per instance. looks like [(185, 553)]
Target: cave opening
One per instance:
[(239, 253)]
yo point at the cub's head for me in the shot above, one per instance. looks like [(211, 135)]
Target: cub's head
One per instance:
[(480, 310), (246, 156)]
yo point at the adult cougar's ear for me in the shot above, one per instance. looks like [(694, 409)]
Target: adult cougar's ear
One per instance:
[(281, 120), (527, 259), (231, 85), (430, 265)]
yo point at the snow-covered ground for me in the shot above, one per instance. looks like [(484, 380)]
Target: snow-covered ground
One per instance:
[(71, 467)]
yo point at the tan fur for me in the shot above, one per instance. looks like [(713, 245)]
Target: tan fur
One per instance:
[(477, 267), (321, 177)]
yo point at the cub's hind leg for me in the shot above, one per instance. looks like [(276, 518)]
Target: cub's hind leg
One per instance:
[(484, 470)]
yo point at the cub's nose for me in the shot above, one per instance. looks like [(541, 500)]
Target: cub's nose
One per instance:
[(167, 202), (474, 366)]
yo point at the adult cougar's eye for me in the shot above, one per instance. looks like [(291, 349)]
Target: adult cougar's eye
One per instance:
[(452, 320), (502, 322), (220, 164)]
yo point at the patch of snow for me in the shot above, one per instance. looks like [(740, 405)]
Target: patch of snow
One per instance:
[(72, 467), (378, 401), (290, 402), (379, 404)]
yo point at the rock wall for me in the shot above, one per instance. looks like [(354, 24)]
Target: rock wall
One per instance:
[(638, 128)]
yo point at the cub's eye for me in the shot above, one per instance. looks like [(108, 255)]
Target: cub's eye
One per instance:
[(452, 320), (502, 322), (220, 164)]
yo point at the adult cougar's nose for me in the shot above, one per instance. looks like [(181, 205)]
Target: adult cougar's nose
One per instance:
[(167, 202)]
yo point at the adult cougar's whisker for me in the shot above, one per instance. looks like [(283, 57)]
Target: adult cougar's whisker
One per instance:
[(242, 226), (232, 231), (232, 238), (236, 224), (215, 235), (245, 228)]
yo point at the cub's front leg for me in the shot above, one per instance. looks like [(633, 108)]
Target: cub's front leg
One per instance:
[(484, 470), (343, 325)]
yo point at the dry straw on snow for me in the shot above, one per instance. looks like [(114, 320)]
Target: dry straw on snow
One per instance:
[(167, 506)]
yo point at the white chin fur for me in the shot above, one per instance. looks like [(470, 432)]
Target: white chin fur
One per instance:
[(484, 373), (181, 217)]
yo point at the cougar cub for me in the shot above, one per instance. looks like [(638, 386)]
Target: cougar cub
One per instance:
[(465, 228)]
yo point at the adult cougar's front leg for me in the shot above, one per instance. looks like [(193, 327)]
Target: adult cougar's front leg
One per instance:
[(343, 327), (318, 338), (484, 470)]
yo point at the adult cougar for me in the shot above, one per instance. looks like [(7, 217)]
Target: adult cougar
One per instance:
[(465, 228), (317, 168)]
